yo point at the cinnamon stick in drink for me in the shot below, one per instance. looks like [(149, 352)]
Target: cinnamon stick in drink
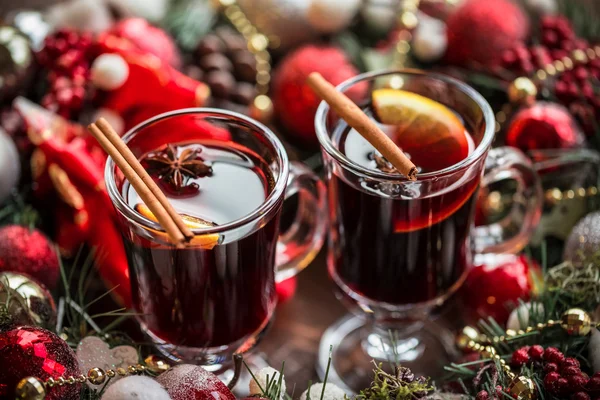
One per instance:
[(364, 125)]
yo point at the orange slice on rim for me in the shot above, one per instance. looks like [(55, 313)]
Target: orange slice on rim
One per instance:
[(207, 241), (428, 131)]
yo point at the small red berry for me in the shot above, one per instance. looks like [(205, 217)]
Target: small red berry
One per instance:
[(520, 357), (569, 362), (536, 352), (551, 381), (576, 383), (562, 386), (580, 396), (499, 391), (568, 371), (483, 395), (593, 384), (552, 354), (550, 367)]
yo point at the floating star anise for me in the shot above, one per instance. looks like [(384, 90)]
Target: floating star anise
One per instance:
[(177, 170)]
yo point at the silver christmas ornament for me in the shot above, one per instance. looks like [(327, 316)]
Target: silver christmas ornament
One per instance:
[(584, 239), (10, 166)]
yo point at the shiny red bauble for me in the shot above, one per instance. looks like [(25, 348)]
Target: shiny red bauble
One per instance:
[(481, 30), (148, 38), (28, 251), (544, 125), (294, 101), (192, 382), (34, 351), (502, 280)]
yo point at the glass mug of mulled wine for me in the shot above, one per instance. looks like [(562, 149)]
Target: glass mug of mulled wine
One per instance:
[(227, 176), (398, 248)]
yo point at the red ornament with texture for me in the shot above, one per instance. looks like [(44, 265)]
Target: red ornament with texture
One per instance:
[(295, 102), (192, 382), (502, 279), (28, 251), (544, 125), (481, 30), (33, 351), (148, 38)]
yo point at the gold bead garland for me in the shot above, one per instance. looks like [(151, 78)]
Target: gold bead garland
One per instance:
[(258, 44), (574, 321)]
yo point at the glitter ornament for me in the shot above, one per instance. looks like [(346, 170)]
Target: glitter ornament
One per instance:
[(544, 125), (522, 91), (28, 251), (30, 302), (10, 166), (576, 321), (261, 377), (30, 388), (192, 382), (584, 239), (32, 351), (479, 31), (136, 387), (522, 388), (332, 392), (329, 16), (93, 352), (295, 103), (430, 40)]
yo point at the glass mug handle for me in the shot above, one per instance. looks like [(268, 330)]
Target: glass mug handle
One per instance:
[(512, 233), (301, 242)]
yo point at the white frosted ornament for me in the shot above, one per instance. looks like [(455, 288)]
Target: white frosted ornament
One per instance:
[(329, 16), (287, 20), (10, 166), (521, 314), (136, 387), (332, 392), (430, 39), (584, 239), (81, 15), (542, 7), (109, 71), (152, 10), (261, 378), (380, 16)]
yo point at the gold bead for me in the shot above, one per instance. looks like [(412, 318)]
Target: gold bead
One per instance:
[(591, 54), (408, 20), (132, 369), (262, 108), (592, 191), (568, 63), (580, 56), (488, 352), (156, 364), (502, 362), (71, 380), (50, 382), (60, 381), (541, 75), (551, 322), (520, 332), (464, 338), (540, 326), (110, 373), (510, 332), (121, 371), (559, 66), (570, 194), (576, 322), (140, 367), (581, 192), (597, 50), (529, 329), (81, 378), (522, 388), (553, 196), (97, 376), (522, 91), (30, 388), (258, 42)]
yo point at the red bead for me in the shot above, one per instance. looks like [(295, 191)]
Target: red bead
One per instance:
[(580, 396), (576, 383), (536, 352), (570, 370), (550, 367), (570, 362), (552, 354), (520, 357), (482, 395)]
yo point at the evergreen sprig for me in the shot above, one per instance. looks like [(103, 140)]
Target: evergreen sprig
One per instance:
[(397, 386)]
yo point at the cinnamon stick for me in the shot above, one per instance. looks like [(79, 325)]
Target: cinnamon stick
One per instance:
[(364, 125), (123, 159)]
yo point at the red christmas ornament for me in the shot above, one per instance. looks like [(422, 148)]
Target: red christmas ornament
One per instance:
[(295, 103), (33, 351), (192, 382), (503, 279), (28, 251), (148, 39), (544, 126), (481, 30)]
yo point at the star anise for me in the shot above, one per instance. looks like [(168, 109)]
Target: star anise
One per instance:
[(177, 170)]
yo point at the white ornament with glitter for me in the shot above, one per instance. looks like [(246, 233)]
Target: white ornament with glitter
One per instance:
[(136, 387), (261, 381), (332, 392), (519, 317), (329, 16)]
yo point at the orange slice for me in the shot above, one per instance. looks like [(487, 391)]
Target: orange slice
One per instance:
[(428, 131), (207, 241)]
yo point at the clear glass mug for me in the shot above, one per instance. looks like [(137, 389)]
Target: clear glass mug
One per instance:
[(203, 304), (397, 248)]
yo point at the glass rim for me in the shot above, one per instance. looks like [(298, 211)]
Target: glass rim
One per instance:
[(327, 144), (278, 190)]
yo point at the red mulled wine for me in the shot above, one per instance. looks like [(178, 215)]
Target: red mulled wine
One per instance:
[(394, 247), (215, 292)]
